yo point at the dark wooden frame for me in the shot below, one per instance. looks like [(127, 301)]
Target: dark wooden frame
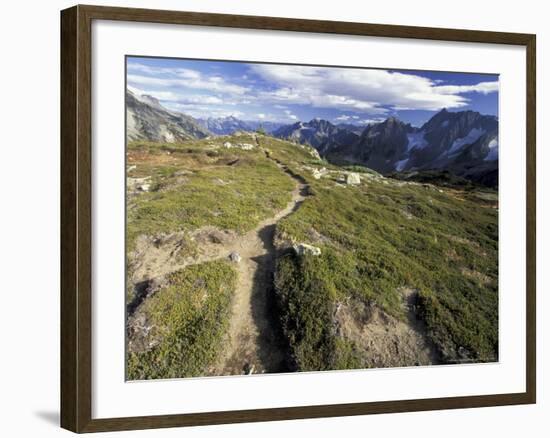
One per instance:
[(76, 238)]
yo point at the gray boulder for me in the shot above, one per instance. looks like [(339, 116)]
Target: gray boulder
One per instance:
[(303, 249), (353, 178), (235, 257)]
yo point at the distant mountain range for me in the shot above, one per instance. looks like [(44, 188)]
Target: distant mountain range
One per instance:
[(321, 134), (464, 143), (229, 125)]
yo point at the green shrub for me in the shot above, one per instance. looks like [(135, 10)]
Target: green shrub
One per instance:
[(381, 236), (191, 315)]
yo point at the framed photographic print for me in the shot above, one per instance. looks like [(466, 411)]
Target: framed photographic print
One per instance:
[(268, 218)]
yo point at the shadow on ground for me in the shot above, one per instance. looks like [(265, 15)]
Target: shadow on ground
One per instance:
[(51, 417)]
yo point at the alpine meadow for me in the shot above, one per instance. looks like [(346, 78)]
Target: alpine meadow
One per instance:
[(284, 218)]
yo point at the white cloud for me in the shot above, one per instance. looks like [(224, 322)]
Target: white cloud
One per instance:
[(482, 87), (170, 96), (371, 121), (290, 115), (362, 90), (204, 111), (364, 95), (342, 118), (163, 77)]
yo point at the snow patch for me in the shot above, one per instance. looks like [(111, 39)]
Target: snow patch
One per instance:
[(416, 141), (400, 165), (472, 137), (493, 151)]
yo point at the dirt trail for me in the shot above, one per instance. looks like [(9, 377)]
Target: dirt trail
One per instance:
[(254, 345)]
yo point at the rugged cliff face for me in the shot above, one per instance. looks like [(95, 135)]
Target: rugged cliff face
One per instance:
[(321, 134), (380, 146), (464, 143), (148, 120)]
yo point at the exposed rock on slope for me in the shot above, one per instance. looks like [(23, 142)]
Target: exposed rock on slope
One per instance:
[(148, 120), (465, 143), (379, 146), (320, 134)]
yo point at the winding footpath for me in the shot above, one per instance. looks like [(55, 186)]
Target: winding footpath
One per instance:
[(253, 344)]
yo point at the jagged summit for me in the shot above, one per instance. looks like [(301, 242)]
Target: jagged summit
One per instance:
[(148, 120), (464, 142)]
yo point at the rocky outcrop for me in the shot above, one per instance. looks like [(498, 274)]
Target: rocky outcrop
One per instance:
[(321, 134), (353, 179), (235, 257), (148, 120), (464, 143), (302, 249)]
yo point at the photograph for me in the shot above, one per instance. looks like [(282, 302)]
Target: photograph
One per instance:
[(287, 218)]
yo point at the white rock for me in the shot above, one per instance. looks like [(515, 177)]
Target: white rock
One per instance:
[(303, 248), (246, 146), (137, 183), (353, 178), (314, 153), (235, 257), (144, 187), (318, 173), (227, 145)]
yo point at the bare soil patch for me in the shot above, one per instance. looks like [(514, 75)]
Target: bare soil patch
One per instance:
[(383, 340)]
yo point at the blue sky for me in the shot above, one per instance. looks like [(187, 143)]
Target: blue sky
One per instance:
[(288, 93)]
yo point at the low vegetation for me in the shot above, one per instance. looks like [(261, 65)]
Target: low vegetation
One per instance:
[(193, 184), (306, 297), (438, 237), (378, 237), (186, 321), (439, 177)]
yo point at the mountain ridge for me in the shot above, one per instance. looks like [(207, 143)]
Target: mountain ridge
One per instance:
[(230, 124), (147, 119), (464, 142)]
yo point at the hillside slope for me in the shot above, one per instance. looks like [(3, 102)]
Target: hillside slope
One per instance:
[(401, 273), (147, 119)]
